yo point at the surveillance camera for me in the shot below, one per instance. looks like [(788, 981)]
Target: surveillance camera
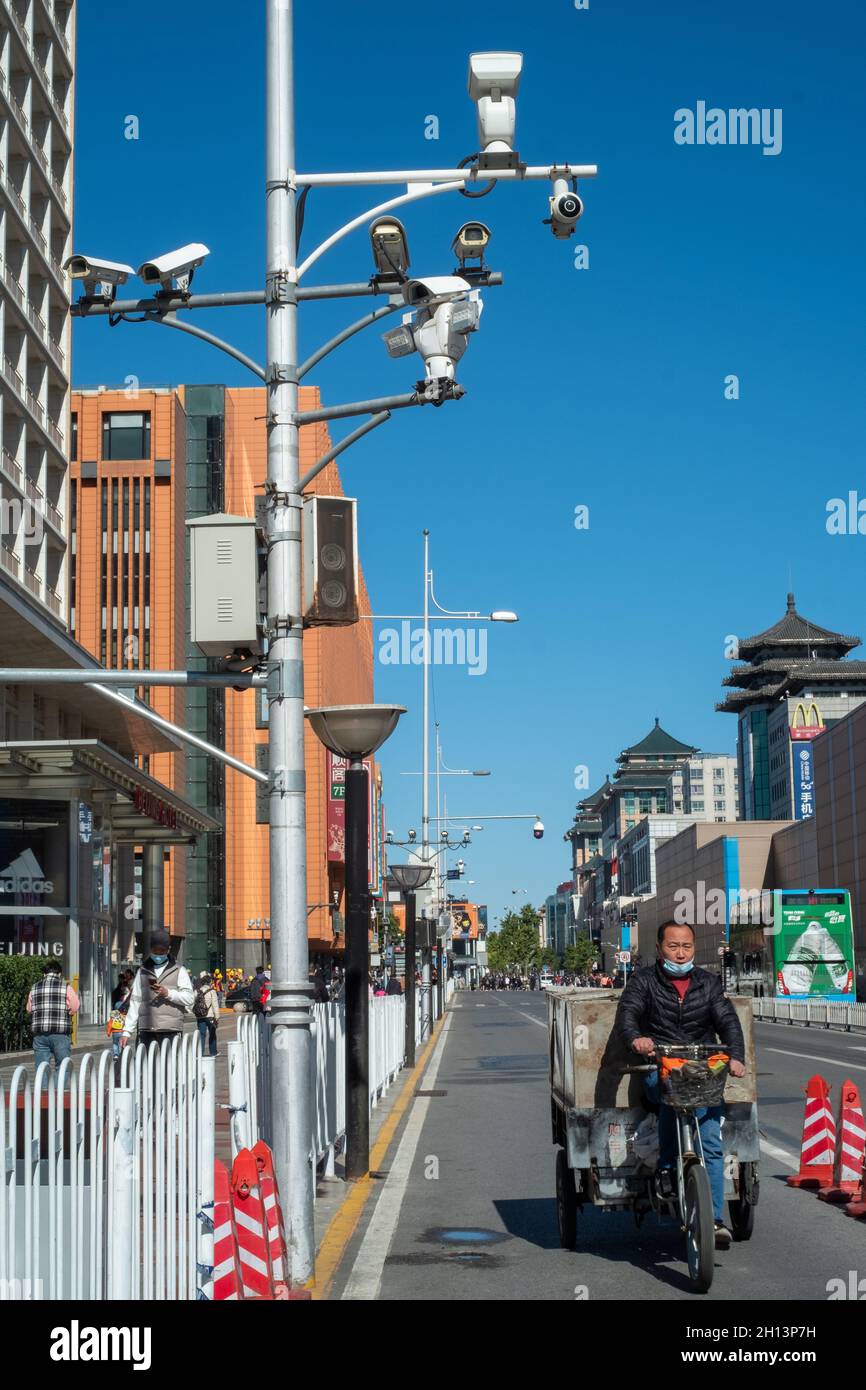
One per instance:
[(434, 289), (389, 836), (494, 79), (538, 830), (461, 865), (106, 274), (390, 247), (412, 836), (174, 266), (466, 837), (566, 210), (471, 242)]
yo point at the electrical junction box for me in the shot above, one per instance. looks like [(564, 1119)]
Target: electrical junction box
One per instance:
[(224, 585), (330, 560)]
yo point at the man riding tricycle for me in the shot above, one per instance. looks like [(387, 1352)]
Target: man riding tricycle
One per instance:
[(653, 1102)]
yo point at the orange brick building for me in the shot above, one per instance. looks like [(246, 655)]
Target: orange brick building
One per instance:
[(140, 467)]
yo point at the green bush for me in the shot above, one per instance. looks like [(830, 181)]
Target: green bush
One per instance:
[(17, 976)]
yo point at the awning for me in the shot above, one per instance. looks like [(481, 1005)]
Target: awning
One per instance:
[(31, 638), (139, 808)]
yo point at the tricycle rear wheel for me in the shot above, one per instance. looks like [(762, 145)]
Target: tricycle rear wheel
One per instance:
[(566, 1202)]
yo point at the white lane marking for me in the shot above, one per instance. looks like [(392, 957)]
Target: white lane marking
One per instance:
[(366, 1276), (781, 1154), (531, 1017), (814, 1057)]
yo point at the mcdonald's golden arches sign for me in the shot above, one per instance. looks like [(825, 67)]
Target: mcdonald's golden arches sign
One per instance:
[(808, 722)]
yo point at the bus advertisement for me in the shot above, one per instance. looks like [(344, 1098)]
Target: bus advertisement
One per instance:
[(813, 944)]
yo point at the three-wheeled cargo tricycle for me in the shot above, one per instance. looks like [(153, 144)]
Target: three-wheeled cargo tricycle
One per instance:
[(607, 1132)]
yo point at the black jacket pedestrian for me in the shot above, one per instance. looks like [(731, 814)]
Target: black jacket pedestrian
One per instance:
[(651, 1008)]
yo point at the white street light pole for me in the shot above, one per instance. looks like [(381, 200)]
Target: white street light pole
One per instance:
[(291, 993)]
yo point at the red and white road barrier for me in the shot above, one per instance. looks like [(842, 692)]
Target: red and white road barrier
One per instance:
[(278, 1254), (818, 1150), (850, 1149), (250, 1227), (226, 1274)]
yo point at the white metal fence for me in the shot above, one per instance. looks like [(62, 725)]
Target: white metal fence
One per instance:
[(107, 1181), (249, 1072), (831, 1013)]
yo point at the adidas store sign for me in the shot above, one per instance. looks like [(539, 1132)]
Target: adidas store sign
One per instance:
[(24, 875)]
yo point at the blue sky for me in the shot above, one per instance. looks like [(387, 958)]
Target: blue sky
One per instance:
[(603, 387)]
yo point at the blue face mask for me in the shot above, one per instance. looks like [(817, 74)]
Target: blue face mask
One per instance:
[(678, 969), (159, 960)]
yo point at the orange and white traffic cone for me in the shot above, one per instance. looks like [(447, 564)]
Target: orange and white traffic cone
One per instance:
[(850, 1149), (227, 1282), (819, 1138)]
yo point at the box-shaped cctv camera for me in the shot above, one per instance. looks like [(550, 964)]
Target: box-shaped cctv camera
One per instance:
[(330, 540), (224, 585)]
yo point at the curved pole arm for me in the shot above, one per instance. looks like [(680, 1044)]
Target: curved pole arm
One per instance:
[(427, 191), (340, 448), (447, 611), (346, 334), (169, 321)]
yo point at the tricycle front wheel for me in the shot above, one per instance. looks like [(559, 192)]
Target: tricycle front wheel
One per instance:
[(566, 1202), (700, 1228)]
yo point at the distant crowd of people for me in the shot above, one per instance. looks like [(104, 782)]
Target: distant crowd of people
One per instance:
[(596, 979)]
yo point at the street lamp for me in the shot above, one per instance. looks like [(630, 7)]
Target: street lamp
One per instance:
[(355, 732), (409, 878)]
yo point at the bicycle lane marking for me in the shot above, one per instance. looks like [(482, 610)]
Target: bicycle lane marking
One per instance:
[(366, 1276)]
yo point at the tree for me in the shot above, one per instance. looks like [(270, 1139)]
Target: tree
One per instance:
[(515, 944), (580, 956), (547, 956)]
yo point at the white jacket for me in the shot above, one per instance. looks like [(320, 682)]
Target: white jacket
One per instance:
[(182, 996)]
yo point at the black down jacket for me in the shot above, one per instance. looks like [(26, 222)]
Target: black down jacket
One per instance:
[(651, 1008)]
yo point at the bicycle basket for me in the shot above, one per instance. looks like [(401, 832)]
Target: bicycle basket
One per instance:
[(692, 1074)]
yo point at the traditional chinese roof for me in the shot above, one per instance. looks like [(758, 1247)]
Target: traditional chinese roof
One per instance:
[(793, 631), (657, 744)]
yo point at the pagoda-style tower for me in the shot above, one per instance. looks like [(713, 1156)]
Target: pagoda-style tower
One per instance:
[(795, 683)]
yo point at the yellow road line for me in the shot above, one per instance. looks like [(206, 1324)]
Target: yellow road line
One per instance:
[(345, 1221)]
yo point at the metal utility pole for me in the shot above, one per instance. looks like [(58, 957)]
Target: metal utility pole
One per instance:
[(291, 992), (357, 973)]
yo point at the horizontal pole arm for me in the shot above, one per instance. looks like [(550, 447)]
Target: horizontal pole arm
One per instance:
[(167, 304), (158, 307), (25, 675), (143, 711), (469, 818), (479, 175), (426, 190), (343, 412), (340, 448)]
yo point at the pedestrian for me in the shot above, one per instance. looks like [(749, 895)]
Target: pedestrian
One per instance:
[(206, 1008), (320, 989), (122, 988), (257, 985), (52, 1003), (394, 986), (162, 994), (120, 997)]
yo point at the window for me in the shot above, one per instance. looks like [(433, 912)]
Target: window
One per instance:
[(73, 438), (697, 788), (718, 789), (718, 772), (718, 805), (126, 434), (697, 774), (645, 803), (697, 805)]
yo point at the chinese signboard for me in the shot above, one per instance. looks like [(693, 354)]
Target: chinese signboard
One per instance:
[(804, 781), (336, 772)]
